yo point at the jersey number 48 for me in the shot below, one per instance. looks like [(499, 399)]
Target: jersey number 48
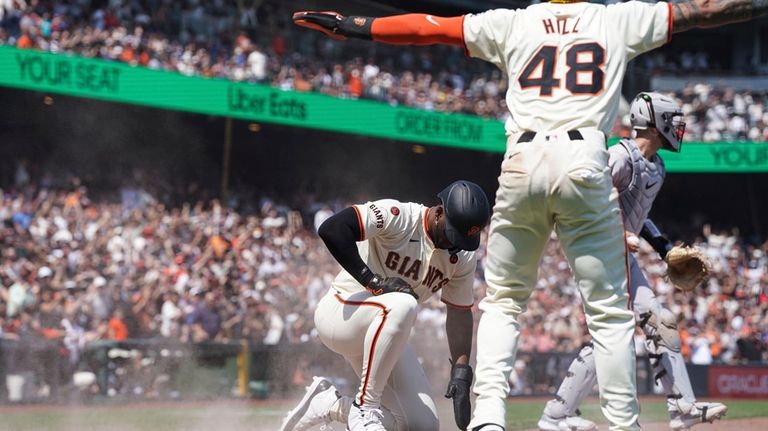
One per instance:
[(585, 74)]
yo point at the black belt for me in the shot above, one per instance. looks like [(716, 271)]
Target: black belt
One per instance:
[(573, 135)]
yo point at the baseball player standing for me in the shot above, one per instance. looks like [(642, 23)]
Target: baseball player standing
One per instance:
[(396, 255), (565, 61), (638, 173)]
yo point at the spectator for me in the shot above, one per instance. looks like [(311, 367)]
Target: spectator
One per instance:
[(195, 41), (170, 315), (700, 348), (86, 269), (118, 331), (204, 322), (321, 215), (751, 348)]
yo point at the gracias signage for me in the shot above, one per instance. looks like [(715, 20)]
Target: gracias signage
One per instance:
[(739, 382), (119, 82)]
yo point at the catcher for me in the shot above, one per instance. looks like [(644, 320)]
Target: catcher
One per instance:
[(638, 173)]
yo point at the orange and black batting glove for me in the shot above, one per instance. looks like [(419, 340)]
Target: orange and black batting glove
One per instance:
[(335, 25), (380, 285)]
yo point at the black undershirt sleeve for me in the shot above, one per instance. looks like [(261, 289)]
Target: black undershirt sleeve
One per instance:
[(340, 232), (653, 235)]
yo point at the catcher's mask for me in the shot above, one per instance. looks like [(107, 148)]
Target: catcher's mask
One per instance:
[(467, 211), (662, 113)]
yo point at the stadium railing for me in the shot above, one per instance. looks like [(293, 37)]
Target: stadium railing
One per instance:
[(41, 371)]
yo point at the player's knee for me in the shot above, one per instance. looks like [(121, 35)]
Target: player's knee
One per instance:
[(403, 307), (661, 327), (406, 301), (670, 335), (590, 271), (644, 301)]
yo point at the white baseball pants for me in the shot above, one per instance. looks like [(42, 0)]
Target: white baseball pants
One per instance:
[(372, 333), (561, 182)]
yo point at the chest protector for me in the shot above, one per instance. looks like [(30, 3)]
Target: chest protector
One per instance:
[(647, 176)]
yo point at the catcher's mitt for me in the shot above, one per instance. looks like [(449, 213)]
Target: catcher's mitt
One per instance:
[(687, 267)]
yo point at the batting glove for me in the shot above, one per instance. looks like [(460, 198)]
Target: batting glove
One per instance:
[(335, 25), (380, 285), (458, 389)]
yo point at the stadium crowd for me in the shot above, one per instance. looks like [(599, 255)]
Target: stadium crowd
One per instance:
[(83, 271), (214, 39), (78, 270)]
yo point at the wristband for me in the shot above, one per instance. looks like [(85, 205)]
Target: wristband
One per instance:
[(357, 26), (365, 277)]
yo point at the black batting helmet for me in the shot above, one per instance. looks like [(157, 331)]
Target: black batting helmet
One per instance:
[(467, 211)]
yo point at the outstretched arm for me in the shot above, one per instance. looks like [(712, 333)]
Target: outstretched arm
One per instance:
[(688, 14), (409, 29)]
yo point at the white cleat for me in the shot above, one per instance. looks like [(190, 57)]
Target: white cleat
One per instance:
[(314, 408), (365, 419), (700, 413), (488, 427), (566, 423)]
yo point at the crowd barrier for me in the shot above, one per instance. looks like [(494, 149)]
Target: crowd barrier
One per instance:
[(40, 370)]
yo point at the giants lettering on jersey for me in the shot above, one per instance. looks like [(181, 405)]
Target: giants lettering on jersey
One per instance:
[(560, 26), (379, 216), (435, 279)]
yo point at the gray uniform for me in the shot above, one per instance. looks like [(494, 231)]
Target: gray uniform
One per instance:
[(638, 181)]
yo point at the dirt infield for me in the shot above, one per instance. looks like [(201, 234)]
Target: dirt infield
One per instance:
[(266, 416), (748, 424)]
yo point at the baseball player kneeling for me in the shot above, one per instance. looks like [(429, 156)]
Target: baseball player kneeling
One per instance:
[(396, 255), (638, 173)]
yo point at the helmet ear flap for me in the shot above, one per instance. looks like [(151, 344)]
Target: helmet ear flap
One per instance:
[(641, 112)]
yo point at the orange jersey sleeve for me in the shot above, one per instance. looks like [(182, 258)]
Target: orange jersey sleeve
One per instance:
[(419, 29)]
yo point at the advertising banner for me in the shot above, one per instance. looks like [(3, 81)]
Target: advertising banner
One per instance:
[(119, 82), (739, 382)]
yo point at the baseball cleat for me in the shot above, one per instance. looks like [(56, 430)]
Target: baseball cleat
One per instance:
[(488, 427), (314, 408), (567, 423), (700, 413), (365, 419)]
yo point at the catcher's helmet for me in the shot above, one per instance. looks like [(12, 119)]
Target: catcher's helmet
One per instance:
[(662, 113), (467, 211)]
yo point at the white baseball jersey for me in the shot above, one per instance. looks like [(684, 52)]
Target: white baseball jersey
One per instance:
[(566, 62), (395, 243)]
